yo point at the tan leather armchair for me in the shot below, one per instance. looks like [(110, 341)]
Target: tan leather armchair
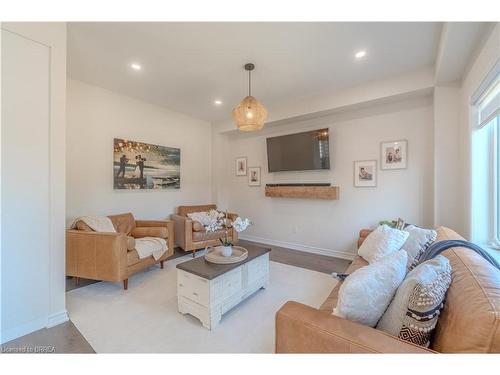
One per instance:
[(191, 235), (112, 256)]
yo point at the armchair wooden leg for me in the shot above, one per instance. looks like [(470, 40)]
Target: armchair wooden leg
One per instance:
[(194, 252), (125, 284), (161, 264), (77, 280)]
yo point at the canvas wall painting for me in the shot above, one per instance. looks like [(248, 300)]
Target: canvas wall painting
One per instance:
[(138, 165)]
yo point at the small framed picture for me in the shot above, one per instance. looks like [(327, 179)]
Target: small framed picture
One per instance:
[(365, 173), (241, 166), (254, 176), (394, 154)]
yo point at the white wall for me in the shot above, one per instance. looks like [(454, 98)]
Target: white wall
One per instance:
[(331, 227), (95, 117), (449, 207), (33, 277)]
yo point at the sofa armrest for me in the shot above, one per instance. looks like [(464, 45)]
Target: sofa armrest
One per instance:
[(96, 255), (169, 224), (304, 329), (363, 233)]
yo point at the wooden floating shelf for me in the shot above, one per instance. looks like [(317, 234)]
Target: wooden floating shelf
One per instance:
[(308, 192)]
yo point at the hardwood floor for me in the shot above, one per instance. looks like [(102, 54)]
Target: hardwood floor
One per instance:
[(65, 338)]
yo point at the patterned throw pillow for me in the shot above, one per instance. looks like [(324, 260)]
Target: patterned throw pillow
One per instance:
[(417, 242), (414, 311)]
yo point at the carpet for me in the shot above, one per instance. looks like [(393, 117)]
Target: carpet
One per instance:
[(144, 319)]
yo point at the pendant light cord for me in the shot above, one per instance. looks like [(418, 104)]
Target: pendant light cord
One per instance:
[(249, 83)]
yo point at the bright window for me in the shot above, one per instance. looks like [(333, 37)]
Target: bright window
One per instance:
[(486, 166)]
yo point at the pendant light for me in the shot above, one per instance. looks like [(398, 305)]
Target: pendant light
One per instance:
[(250, 114)]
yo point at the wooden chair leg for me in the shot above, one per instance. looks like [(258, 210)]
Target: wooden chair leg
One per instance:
[(125, 284), (194, 252), (161, 264), (77, 280)]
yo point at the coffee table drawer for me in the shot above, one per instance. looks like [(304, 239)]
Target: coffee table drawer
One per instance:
[(193, 287)]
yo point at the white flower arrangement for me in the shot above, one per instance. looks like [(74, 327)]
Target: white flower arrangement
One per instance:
[(221, 221)]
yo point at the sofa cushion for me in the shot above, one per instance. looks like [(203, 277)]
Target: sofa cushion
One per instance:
[(470, 320), (366, 293), (381, 242), (123, 223), (140, 232), (331, 301), (414, 311)]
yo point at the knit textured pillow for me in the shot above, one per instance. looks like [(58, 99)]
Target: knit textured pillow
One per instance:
[(414, 311), (417, 242), (382, 242)]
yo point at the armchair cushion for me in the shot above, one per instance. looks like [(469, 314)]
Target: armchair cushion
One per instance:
[(140, 232), (123, 223), (81, 225), (198, 227), (184, 210), (130, 243), (202, 236)]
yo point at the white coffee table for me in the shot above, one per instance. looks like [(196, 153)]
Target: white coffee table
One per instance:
[(207, 291)]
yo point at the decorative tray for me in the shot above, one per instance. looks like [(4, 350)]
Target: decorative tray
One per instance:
[(214, 255)]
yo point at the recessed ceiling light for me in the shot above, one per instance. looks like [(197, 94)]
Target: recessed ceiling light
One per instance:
[(135, 66), (218, 102), (360, 54)]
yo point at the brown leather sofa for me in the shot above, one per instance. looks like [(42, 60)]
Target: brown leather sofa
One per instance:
[(190, 235), (469, 322), (112, 256)]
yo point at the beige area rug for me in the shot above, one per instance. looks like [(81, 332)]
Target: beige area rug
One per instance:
[(145, 319)]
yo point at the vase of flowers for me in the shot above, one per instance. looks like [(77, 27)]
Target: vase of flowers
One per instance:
[(221, 221)]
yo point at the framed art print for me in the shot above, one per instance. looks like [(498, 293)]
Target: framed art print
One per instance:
[(241, 166), (254, 176), (394, 154), (365, 173), (138, 165)]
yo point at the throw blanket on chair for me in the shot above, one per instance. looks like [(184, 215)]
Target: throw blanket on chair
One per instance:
[(438, 247), (96, 223), (150, 246)]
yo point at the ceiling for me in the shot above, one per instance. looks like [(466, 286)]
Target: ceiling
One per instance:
[(186, 66)]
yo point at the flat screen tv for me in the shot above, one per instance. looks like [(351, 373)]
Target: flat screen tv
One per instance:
[(299, 152)]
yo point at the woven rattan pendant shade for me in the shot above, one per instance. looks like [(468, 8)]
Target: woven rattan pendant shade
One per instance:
[(250, 114)]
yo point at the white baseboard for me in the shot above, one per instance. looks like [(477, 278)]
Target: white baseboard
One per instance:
[(57, 318), (27, 328), (21, 330), (296, 246)]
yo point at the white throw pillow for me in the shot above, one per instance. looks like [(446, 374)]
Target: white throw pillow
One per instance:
[(366, 293), (418, 241), (414, 311), (381, 242)]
